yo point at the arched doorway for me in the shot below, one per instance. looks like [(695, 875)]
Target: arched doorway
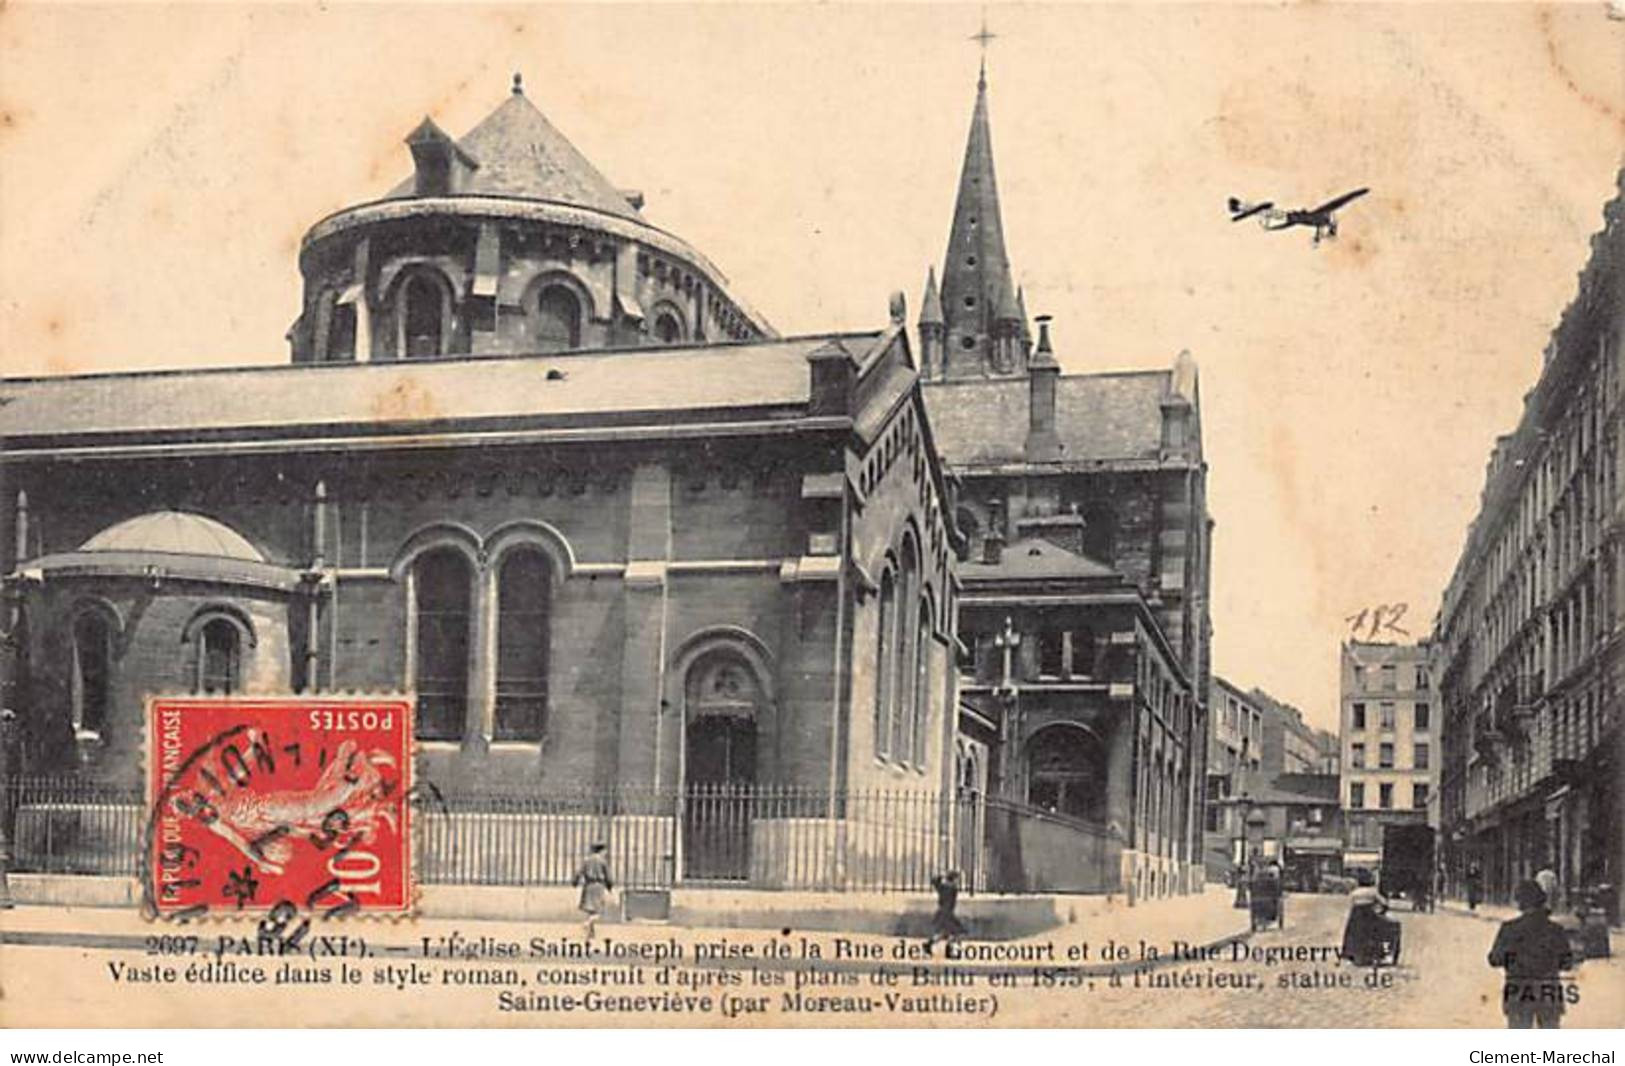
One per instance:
[(722, 695), (1066, 772)]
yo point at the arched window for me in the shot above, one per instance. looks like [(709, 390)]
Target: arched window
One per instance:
[(668, 328), (524, 604), (92, 672), (219, 657), (907, 640), (1065, 772), (922, 681), (422, 308), (443, 584), (341, 333), (885, 638), (558, 320)]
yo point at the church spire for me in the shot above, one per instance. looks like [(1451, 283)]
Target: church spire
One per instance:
[(931, 328), (976, 277)]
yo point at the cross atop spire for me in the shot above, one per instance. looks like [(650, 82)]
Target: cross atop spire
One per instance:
[(984, 38)]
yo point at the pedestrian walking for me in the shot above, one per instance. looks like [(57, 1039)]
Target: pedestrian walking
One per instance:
[(1546, 878), (593, 877), (1370, 938), (1533, 950), (945, 924), (1475, 879)]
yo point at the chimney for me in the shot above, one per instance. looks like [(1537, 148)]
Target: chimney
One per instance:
[(993, 543), (1043, 444), (993, 540), (832, 373)]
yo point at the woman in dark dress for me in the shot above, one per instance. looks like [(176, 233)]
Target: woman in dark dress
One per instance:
[(1369, 938), (593, 877)]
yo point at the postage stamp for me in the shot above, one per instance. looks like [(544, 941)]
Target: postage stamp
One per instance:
[(283, 804)]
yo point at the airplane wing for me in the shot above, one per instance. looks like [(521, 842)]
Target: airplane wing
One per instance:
[(1332, 205), (1239, 210)]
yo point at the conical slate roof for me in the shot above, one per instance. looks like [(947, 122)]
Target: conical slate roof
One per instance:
[(931, 303), (976, 265), (517, 152)]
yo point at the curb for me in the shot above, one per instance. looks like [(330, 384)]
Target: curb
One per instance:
[(138, 942)]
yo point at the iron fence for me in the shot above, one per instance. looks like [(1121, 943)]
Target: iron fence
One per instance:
[(62, 825), (755, 836)]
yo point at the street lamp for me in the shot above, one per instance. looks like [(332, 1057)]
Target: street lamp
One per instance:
[(8, 799), (1238, 850), (11, 651)]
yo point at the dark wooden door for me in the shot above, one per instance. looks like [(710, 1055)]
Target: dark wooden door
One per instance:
[(720, 770)]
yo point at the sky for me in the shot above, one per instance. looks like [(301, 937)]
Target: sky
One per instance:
[(159, 164)]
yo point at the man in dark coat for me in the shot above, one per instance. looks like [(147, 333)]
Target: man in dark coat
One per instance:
[(1533, 950), (945, 925)]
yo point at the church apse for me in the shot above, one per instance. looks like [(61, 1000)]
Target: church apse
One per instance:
[(507, 241)]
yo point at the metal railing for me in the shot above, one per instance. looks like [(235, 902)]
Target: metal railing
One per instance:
[(745, 836), (755, 836), (63, 825)]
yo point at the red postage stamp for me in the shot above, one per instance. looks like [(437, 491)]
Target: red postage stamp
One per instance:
[(287, 804)]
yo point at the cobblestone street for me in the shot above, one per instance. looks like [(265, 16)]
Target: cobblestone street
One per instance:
[(60, 965), (1443, 981)]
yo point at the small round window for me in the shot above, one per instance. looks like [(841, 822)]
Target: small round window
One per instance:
[(967, 343)]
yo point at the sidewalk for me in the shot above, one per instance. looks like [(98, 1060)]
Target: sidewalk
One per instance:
[(1500, 912), (1198, 921)]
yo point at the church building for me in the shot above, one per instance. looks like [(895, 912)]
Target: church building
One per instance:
[(1084, 610), (836, 611), (637, 556)]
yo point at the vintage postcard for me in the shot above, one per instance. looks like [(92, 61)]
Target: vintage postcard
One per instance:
[(704, 515)]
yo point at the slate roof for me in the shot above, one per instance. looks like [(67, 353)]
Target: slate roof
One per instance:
[(174, 532), (1324, 786), (1271, 796), (978, 227), (1036, 559), (1101, 417), (200, 403), (519, 153)]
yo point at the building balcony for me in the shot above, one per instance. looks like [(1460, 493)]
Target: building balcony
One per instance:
[(1529, 690), (1487, 735), (1568, 771)]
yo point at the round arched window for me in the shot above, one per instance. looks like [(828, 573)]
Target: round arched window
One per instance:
[(668, 330), (423, 317), (219, 658), (558, 319), (1066, 772)]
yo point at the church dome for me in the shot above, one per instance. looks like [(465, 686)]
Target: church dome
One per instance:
[(174, 533), (505, 241)]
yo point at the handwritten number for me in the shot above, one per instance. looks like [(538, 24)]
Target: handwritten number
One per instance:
[(1393, 620), (1384, 617)]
